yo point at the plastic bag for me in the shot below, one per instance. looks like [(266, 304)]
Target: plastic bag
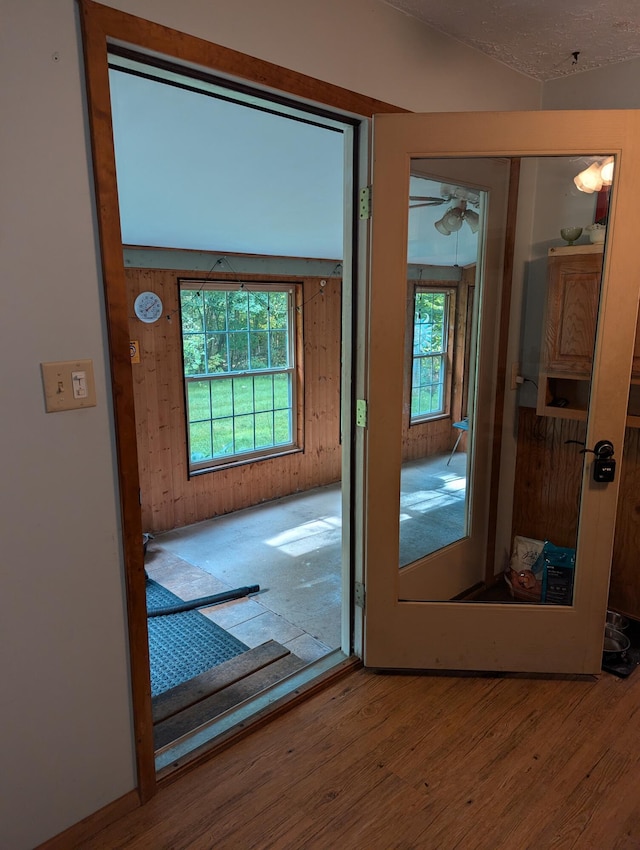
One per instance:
[(558, 567), (524, 573)]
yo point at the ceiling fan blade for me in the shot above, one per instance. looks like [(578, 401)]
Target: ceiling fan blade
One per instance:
[(426, 204), (428, 198)]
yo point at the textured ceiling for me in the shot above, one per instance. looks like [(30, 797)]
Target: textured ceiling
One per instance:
[(538, 37)]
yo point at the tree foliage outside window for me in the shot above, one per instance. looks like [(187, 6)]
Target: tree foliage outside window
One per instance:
[(238, 352), (429, 363)]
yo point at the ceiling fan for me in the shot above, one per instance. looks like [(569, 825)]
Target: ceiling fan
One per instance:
[(458, 213), (448, 193)]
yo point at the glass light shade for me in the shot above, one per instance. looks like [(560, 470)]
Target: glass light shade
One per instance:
[(606, 171), (453, 219), (441, 227), (450, 221), (589, 180), (473, 220)]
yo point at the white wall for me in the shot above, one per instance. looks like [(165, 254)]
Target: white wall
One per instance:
[(361, 45), (557, 202), (65, 716), (613, 87), (67, 746)]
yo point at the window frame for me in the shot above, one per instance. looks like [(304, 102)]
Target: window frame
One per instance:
[(295, 370), (447, 354)]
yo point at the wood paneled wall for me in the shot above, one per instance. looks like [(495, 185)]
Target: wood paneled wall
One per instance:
[(437, 436), (170, 498), (548, 473)]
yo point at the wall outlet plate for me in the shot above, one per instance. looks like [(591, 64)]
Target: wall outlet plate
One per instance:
[(68, 385)]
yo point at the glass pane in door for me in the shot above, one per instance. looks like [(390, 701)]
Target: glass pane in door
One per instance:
[(497, 375), (441, 319), (555, 334)]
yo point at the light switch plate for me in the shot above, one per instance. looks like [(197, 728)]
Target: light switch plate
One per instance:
[(58, 385)]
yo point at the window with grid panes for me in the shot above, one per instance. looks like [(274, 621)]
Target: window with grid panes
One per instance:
[(240, 372), (430, 354)]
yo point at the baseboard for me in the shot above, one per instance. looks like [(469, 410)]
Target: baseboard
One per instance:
[(74, 837)]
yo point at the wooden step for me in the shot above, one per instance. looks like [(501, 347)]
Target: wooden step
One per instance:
[(211, 681), (236, 692)]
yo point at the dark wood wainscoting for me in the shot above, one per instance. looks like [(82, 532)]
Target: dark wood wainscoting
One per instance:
[(548, 473)]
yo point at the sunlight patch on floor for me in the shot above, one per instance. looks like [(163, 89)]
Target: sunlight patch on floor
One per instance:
[(308, 537), (425, 500), (457, 485)]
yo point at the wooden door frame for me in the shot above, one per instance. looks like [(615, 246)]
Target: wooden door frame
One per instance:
[(102, 26)]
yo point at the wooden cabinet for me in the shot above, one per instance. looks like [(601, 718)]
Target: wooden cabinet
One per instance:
[(569, 329)]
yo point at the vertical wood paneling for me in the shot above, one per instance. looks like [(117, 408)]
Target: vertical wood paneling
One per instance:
[(169, 498), (547, 489), (548, 474)]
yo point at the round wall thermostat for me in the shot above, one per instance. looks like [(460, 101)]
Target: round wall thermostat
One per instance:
[(148, 307)]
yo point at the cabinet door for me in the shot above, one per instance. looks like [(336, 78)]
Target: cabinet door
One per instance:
[(574, 286)]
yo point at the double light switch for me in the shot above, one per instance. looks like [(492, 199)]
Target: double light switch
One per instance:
[(68, 384)]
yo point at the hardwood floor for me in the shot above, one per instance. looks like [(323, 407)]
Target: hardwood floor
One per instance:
[(376, 762)]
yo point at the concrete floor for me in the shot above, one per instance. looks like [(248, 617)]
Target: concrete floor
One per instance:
[(291, 547), (432, 505)]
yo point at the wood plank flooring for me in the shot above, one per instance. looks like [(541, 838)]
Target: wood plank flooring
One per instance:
[(409, 762)]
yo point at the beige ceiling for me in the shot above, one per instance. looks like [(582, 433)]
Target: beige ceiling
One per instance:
[(538, 37)]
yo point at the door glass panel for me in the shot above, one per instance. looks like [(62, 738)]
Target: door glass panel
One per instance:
[(442, 262), (476, 522)]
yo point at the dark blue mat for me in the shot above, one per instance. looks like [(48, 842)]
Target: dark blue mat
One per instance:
[(183, 645)]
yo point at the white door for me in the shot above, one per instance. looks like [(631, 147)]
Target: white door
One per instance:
[(411, 617)]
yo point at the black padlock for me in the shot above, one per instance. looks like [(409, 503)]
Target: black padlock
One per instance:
[(604, 466), (604, 471)]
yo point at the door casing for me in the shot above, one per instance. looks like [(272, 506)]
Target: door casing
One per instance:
[(101, 26)]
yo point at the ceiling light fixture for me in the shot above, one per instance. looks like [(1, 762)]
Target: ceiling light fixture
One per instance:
[(597, 175), (473, 220), (452, 220)]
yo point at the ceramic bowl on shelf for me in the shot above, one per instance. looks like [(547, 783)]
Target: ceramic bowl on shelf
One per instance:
[(597, 233), (570, 234)]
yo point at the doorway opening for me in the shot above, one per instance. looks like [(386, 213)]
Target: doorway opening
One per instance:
[(103, 28), (235, 212)]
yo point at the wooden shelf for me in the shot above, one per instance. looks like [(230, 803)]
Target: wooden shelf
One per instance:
[(575, 391), (563, 396), (569, 335), (572, 250)]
